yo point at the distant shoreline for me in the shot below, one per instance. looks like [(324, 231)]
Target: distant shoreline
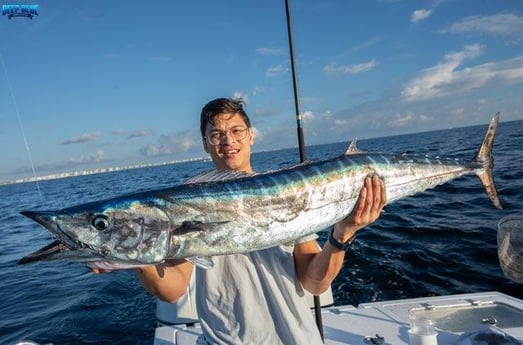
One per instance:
[(96, 171), (137, 166)]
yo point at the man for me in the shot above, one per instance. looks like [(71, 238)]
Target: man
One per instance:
[(257, 298)]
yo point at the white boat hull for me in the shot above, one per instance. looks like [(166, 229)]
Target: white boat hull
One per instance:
[(389, 320)]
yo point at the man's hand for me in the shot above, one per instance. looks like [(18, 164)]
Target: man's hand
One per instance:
[(368, 208), (317, 268)]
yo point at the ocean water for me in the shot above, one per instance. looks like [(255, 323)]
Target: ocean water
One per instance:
[(442, 241)]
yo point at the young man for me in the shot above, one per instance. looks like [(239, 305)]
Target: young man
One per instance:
[(257, 297)]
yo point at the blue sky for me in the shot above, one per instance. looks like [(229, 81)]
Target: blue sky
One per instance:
[(110, 83)]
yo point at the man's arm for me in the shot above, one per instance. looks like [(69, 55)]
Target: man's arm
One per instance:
[(316, 268), (168, 281)]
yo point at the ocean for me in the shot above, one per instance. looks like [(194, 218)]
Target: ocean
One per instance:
[(442, 241)]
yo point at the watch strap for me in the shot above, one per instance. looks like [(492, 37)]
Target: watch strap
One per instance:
[(337, 244)]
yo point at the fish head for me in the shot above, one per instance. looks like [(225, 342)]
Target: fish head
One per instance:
[(126, 231)]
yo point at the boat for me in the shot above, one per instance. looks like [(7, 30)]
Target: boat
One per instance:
[(386, 322), (449, 319)]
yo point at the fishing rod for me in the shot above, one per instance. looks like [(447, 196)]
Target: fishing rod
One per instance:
[(301, 141), (299, 127)]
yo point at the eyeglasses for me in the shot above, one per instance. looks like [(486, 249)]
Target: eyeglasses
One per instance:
[(237, 133)]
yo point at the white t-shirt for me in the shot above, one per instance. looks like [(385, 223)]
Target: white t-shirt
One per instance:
[(255, 298)]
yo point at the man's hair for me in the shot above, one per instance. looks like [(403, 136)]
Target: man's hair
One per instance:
[(219, 106)]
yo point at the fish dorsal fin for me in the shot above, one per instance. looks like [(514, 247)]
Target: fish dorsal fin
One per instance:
[(352, 149), (215, 176)]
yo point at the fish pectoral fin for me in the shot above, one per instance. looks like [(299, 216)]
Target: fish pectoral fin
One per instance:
[(201, 261), (190, 225)]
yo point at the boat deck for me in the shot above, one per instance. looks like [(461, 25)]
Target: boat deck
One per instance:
[(388, 322)]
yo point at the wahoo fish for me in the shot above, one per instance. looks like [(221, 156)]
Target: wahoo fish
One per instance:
[(224, 213)]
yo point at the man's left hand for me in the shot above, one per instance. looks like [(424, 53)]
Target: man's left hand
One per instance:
[(370, 204)]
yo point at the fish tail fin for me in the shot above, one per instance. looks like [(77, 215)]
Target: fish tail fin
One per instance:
[(486, 162)]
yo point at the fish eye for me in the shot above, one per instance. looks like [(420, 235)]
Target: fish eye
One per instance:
[(100, 222)]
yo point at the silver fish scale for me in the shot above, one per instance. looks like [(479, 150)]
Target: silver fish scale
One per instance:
[(280, 207)]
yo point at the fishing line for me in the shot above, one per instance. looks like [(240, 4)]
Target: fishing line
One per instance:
[(21, 125), (28, 149)]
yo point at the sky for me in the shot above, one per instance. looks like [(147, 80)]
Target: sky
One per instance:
[(95, 84)]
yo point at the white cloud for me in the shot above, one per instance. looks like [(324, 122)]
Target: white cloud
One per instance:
[(408, 119), (445, 79), (240, 95), (138, 133), (457, 112), (97, 157), (327, 115), (496, 25), (438, 80), (170, 144), (422, 14), (307, 116), (276, 71), (257, 134), (151, 150), (119, 132), (419, 15), (334, 69), (70, 163), (362, 46), (83, 138)]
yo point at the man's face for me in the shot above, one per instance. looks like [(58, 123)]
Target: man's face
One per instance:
[(229, 153)]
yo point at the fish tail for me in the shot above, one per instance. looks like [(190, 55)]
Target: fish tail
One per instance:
[(485, 161)]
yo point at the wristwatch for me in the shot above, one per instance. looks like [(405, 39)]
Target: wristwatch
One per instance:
[(339, 245)]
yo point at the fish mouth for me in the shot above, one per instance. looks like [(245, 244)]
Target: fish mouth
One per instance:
[(46, 253), (58, 250), (64, 247), (48, 219)]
